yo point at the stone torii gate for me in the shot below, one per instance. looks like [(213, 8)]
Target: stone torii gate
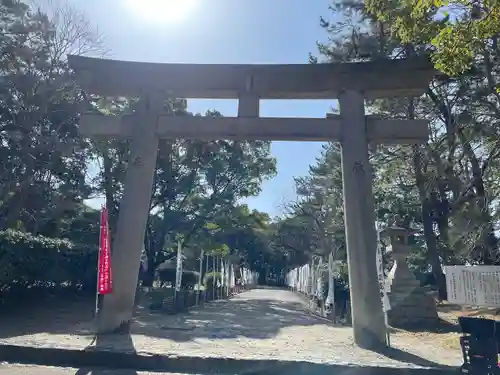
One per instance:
[(351, 83)]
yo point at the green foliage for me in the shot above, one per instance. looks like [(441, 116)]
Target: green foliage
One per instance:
[(158, 295), (45, 163), (343, 273), (314, 225), (456, 30), (196, 184), (447, 189), (28, 261)]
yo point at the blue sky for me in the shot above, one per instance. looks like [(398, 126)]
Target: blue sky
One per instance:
[(224, 31)]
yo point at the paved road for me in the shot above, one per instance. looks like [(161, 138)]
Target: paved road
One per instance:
[(261, 324)]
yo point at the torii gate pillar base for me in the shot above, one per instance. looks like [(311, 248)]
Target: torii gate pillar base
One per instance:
[(368, 319)]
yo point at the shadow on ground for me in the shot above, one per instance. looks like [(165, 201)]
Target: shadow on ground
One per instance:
[(226, 320), (254, 318), (93, 362), (406, 357), (440, 326), (51, 314), (216, 320)]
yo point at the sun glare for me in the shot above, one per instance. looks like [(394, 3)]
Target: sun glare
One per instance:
[(161, 11)]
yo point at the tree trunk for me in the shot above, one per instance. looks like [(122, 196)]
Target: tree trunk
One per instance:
[(433, 257), (429, 235)]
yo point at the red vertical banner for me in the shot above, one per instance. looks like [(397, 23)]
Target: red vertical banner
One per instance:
[(104, 276)]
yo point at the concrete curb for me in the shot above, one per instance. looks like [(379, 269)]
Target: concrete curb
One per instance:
[(193, 365)]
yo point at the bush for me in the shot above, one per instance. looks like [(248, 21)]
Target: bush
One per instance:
[(28, 261), (158, 295), (31, 264)]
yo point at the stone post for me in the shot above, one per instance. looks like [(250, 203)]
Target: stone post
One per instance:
[(368, 319), (132, 217), (410, 304)]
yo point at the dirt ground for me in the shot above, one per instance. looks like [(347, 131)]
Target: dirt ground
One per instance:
[(446, 334), (259, 324)]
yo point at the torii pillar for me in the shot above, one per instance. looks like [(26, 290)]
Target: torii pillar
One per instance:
[(351, 83), (133, 214), (368, 320)]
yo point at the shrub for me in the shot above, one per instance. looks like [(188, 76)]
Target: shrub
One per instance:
[(28, 261), (158, 295)]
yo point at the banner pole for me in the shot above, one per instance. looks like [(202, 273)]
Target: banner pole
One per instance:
[(178, 270), (98, 264), (226, 276), (217, 266), (213, 277), (202, 256)]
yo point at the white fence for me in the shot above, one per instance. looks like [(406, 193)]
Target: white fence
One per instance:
[(465, 285), (228, 277), (249, 277), (308, 279), (473, 285)]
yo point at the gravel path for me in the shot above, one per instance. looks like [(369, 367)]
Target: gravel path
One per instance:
[(257, 324)]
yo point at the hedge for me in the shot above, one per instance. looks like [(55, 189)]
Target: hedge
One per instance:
[(28, 261)]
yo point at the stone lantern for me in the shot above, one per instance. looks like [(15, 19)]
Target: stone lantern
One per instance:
[(410, 303)]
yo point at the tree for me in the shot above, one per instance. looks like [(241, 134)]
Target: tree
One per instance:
[(43, 160), (194, 181), (451, 179), (314, 225), (455, 31)]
